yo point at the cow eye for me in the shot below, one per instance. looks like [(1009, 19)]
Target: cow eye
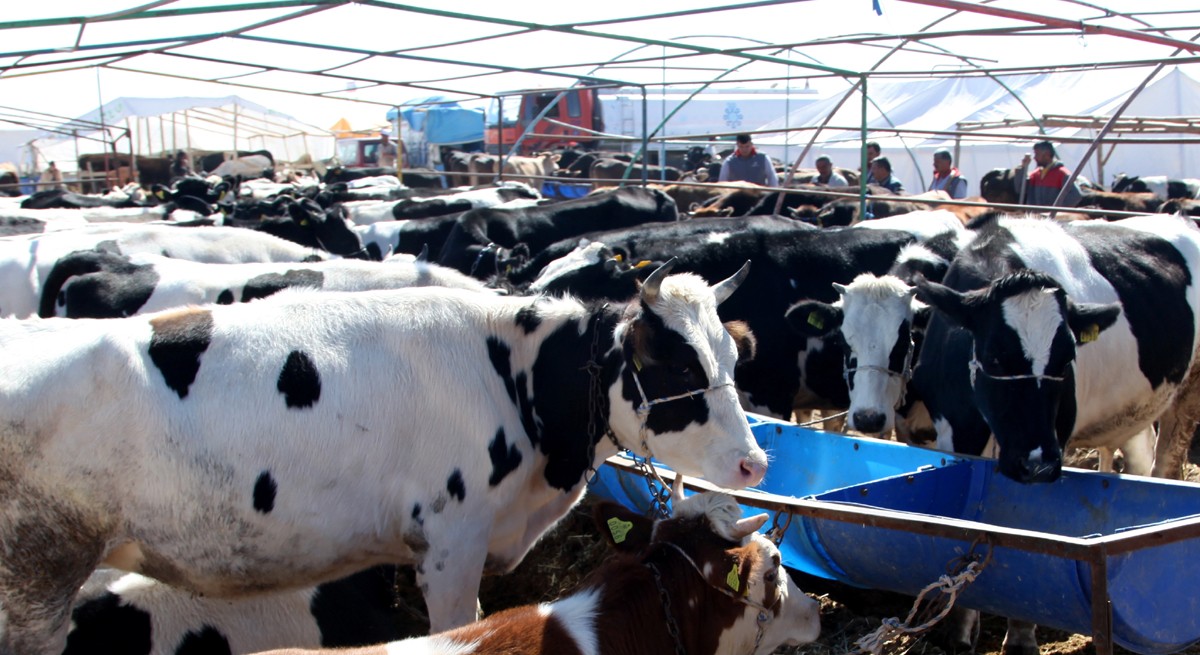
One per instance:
[(771, 576)]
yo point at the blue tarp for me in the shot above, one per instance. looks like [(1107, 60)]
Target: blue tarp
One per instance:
[(443, 123)]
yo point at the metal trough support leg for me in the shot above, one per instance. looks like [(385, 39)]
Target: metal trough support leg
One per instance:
[(1101, 605)]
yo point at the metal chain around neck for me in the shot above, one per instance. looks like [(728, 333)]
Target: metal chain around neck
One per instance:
[(765, 614), (672, 626), (596, 422)]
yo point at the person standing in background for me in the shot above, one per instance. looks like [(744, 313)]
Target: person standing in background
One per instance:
[(746, 164), (387, 149), (1048, 178), (51, 178), (946, 177)]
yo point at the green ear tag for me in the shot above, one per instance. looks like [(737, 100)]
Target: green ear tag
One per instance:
[(1090, 334), (815, 320), (619, 529), (732, 579)]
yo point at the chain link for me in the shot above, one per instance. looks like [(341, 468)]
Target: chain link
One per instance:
[(596, 399), (672, 627)]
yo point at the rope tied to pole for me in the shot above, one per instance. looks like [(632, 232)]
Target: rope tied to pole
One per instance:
[(969, 566)]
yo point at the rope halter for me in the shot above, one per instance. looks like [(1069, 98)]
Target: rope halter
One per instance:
[(905, 373), (977, 369), (643, 410)]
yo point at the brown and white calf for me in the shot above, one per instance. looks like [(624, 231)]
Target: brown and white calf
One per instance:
[(703, 582)]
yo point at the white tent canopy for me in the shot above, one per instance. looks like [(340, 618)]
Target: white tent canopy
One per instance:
[(914, 107), (159, 126)]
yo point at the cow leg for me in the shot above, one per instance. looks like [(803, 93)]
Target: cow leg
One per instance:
[(1176, 426), (48, 554), (961, 630), (1138, 452), (1020, 638), (449, 574)]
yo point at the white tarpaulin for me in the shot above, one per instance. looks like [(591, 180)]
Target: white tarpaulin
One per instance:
[(158, 126), (941, 104)]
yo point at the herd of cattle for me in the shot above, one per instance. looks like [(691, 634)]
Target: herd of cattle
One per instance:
[(427, 377)]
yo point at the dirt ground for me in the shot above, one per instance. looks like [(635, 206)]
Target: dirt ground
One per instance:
[(565, 556)]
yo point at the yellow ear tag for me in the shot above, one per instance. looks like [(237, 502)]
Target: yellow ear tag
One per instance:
[(637, 363), (642, 264), (222, 196), (619, 529), (304, 223), (815, 320), (1090, 334), (619, 257), (160, 194), (732, 579)]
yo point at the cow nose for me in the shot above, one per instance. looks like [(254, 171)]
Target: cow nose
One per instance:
[(753, 471), (868, 420)]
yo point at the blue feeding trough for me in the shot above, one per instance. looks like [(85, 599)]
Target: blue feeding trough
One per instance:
[(1091, 553)]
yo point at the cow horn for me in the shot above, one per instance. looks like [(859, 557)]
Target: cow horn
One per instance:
[(677, 491), (726, 287), (747, 526), (650, 286)]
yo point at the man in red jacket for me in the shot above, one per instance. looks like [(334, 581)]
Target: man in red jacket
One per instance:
[(1048, 178)]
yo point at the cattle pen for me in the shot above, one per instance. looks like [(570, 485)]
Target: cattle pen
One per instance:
[(869, 517), (1113, 84)]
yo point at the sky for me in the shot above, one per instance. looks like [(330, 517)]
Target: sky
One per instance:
[(74, 93)]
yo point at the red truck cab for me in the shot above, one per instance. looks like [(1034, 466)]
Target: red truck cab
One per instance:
[(578, 108)]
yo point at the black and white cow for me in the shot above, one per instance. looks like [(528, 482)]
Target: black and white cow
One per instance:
[(26, 261), (129, 613), (285, 442), (792, 261), (112, 286), (1036, 315), (1161, 186), (539, 226), (366, 213), (875, 318)]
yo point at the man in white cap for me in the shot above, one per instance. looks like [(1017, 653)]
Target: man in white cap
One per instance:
[(387, 149)]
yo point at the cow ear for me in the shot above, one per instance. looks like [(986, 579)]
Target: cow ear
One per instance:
[(623, 529), (735, 573), (1088, 320), (743, 339), (921, 313), (951, 303), (813, 318)]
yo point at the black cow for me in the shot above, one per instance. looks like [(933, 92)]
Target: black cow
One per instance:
[(539, 226), (302, 221)]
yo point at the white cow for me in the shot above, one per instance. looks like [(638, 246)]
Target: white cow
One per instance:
[(233, 450)]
